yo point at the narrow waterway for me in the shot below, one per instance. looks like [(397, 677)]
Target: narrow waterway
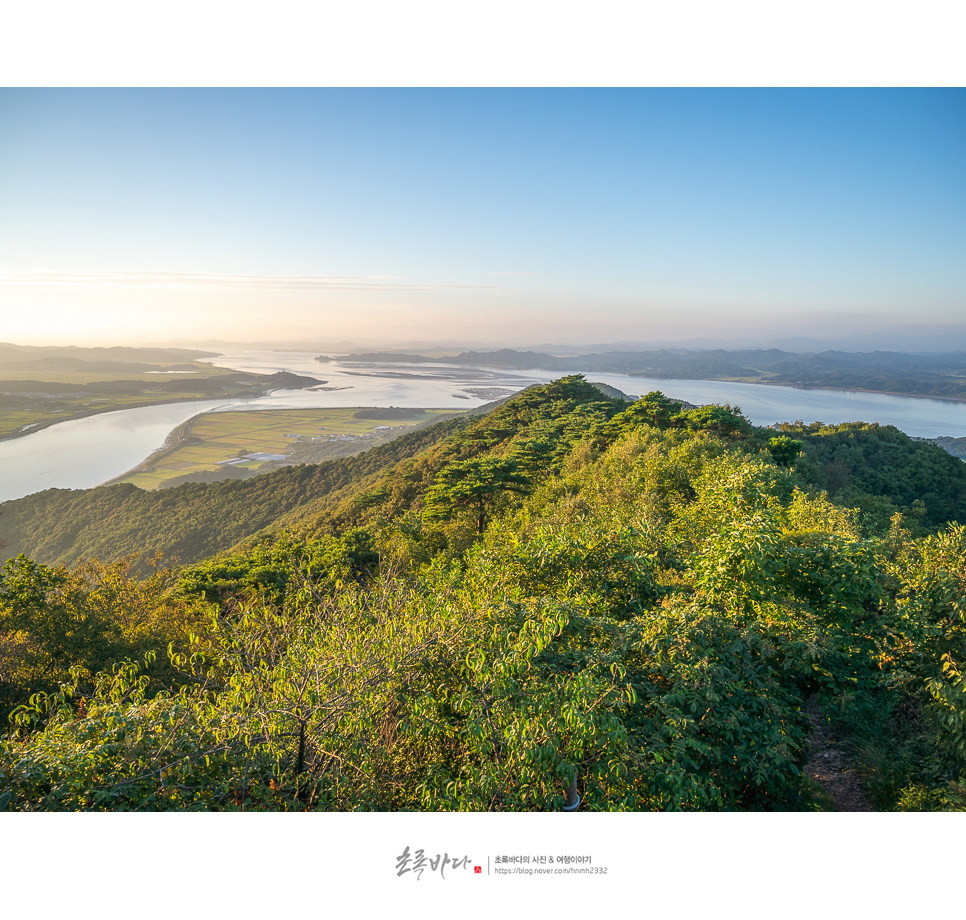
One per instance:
[(85, 452)]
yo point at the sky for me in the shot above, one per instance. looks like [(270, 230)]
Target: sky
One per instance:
[(504, 216)]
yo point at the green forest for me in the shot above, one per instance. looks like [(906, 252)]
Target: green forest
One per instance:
[(660, 604)]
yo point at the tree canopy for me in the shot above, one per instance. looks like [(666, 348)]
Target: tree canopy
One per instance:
[(647, 599), (474, 484)]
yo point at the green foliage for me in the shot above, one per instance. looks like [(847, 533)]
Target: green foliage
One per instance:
[(657, 410), (720, 730), (949, 694), (611, 572), (45, 615), (653, 409), (268, 568), (54, 622), (880, 470), (720, 420), (473, 484), (784, 449), (639, 596)]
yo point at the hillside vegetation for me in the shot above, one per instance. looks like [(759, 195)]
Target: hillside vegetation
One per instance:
[(186, 523), (641, 597)]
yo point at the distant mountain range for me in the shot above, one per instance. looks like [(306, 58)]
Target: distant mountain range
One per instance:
[(940, 375), (72, 356)]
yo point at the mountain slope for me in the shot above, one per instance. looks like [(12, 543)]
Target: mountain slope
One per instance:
[(877, 469)]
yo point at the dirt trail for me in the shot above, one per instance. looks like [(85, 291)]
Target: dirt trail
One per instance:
[(829, 767)]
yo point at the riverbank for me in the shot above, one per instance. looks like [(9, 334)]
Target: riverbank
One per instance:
[(234, 386), (41, 426), (176, 438)]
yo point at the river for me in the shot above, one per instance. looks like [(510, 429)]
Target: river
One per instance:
[(85, 452)]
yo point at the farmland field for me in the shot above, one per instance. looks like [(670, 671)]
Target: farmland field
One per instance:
[(208, 443)]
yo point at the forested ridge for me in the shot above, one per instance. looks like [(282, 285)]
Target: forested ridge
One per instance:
[(189, 522), (643, 596)]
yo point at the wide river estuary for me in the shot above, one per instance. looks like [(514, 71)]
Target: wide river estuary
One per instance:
[(86, 452)]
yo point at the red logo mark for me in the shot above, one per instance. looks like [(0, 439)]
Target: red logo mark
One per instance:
[(478, 870)]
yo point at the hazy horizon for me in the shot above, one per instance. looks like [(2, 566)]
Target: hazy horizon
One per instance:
[(913, 340), (495, 217)]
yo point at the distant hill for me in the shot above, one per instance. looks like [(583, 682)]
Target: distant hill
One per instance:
[(942, 375), (881, 470), (74, 356), (955, 446)]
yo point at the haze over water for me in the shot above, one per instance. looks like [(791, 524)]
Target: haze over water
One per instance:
[(86, 452)]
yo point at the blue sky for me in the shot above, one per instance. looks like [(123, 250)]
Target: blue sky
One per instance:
[(506, 216)]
